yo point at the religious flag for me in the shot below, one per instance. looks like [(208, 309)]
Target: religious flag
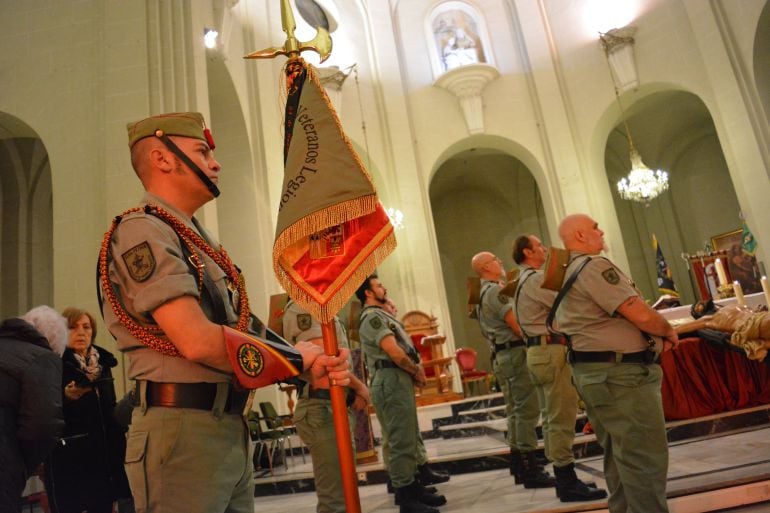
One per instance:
[(749, 243), (332, 231), (665, 281)]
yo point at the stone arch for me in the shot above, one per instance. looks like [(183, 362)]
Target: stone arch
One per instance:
[(673, 130), (481, 198), (244, 211), (26, 219), (761, 59)]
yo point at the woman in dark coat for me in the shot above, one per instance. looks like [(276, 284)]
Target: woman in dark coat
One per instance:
[(30, 397), (85, 471)]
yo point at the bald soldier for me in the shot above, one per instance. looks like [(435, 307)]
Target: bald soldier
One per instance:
[(173, 298), (313, 415), (614, 339), (547, 363), (509, 364)]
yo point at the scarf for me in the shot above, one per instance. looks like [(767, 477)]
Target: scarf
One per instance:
[(90, 363)]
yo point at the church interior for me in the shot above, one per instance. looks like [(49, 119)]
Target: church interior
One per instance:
[(478, 121)]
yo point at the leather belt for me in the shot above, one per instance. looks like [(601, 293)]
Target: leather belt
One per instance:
[(542, 340), (323, 393), (319, 393), (385, 364), (645, 357), (198, 396), (508, 345)]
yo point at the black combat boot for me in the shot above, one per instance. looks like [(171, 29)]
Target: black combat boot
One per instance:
[(408, 500), (426, 496), (571, 489), (533, 474), (429, 489), (428, 476), (515, 467)]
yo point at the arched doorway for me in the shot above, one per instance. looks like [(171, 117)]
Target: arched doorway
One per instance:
[(673, 131), (481, 199), (26, 219)]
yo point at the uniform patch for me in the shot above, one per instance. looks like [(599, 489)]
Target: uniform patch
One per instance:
[(503, 298), (375, 322), (250, 360), (611, 276), (304, 321), (140, 261)]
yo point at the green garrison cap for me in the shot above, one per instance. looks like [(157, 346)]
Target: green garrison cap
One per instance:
[(185, 124)]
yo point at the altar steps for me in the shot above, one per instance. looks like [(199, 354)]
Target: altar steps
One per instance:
[(460, 443)]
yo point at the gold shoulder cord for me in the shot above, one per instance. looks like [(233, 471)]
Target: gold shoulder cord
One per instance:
[(152, 336)]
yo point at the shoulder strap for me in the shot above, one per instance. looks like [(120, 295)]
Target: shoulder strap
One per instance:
[(490, 337), (516, 300), (563, 292)]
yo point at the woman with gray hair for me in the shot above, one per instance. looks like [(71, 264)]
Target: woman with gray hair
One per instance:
[(30, 396)]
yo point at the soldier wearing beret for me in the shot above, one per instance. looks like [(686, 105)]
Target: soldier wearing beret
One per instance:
[(172, 299), (612, 352), (313, 414), (547, 363), (393, 365), (509, 364)]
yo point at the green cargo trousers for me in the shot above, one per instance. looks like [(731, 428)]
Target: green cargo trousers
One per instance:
[(315, 426), (196, 461), (559, 400), (624, 405), (522, 408), (392, 395)]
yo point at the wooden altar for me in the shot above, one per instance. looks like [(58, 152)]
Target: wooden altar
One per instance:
[(423, 330)]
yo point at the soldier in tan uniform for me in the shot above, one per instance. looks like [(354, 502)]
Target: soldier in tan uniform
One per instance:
[(613, 353), (552, 377), (313, 414), (509, 364), (172, 295)]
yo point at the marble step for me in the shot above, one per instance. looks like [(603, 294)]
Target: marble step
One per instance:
[(489, 450)]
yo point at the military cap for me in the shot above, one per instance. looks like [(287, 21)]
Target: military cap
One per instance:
[(185, 124)]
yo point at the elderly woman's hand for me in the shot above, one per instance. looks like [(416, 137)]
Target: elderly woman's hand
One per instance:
[(73, 392)]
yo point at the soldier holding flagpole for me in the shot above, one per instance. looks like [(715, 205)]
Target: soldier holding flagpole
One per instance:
[(332, 231)]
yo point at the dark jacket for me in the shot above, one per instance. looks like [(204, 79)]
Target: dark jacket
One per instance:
[(86, 468), (30, 406)]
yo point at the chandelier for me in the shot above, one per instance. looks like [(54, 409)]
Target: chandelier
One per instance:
[(396, 218), (642, 183)]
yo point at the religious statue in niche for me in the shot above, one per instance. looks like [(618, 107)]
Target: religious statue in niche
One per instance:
[(457, 39)]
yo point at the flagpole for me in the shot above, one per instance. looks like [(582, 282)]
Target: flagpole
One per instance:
[(342, 427)]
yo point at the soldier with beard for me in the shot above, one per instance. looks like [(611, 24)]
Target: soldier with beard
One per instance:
[(394, 369)]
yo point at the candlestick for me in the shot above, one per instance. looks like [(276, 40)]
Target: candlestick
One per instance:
[(739, 293), (766, 290), (720, 272)]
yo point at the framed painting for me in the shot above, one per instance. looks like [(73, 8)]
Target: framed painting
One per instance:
[(725, 241), (742, 266)]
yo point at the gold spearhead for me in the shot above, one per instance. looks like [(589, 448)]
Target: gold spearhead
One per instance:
[(321, 43)]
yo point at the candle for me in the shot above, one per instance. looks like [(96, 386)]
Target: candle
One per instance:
[(720, 272), (766, 290), (739, 293)]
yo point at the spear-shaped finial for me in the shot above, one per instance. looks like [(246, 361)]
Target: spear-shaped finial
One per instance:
[(321, 43)]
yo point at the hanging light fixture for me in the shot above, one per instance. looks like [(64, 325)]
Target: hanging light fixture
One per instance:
[(396, 217), (642, 183)]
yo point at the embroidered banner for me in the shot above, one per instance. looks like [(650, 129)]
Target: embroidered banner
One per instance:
[(332, 231)]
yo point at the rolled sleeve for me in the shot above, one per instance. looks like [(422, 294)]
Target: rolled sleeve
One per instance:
[(170, 276)]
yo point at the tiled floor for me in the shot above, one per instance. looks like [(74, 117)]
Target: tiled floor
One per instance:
[(695, 465)]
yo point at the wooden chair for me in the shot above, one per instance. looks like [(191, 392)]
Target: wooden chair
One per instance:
[(466, 360), (423, 330)]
